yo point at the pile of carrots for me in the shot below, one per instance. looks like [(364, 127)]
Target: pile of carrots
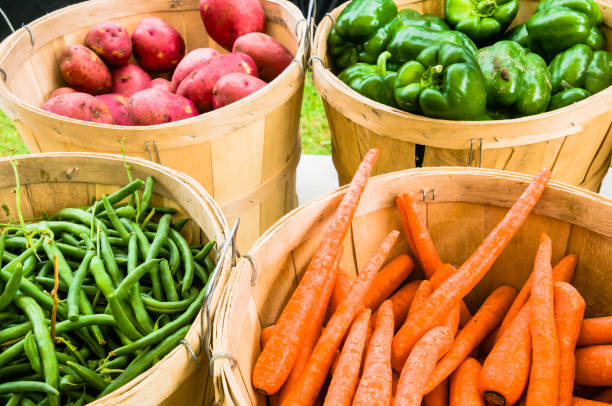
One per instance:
[(372, 341)]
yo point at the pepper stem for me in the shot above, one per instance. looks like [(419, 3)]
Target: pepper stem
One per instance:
[(381, 62), (431, 77), (485, 8)]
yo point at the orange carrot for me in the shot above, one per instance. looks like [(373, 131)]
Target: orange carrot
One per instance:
[(464, 385), (569, 310), (562, 272), (394, 381), (489, 342), (313, 330), (459, 284), (543, 386), (594, 365), (402, 299), (440, 276), (419, 364), (597, 331), (415, 226), (452, 320), (275, 362), (505, 372), (375, 387), (388, 279), (266, 333), (311, 381), (438, 396), (345, 378), (585, 402), (420, 296), (341, 290), (485, 319), (604, 396)]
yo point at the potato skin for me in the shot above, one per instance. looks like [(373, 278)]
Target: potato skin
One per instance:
[(226, 20), (198, 85), (270, 56), (61, 90), (192, 61), (130, 79), (119, 108), (154, 106), (233, 87), (80, 106), (83, 70), (161, 84), (111, 42), (158, 46)]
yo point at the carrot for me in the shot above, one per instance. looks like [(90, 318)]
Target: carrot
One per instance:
[(569, 310), (312, 378), (415, 226), (344, 380), (266, 333), (452, 320), (544, 377), (388, 279), (459, 284), (594, 365), (420, 296), (419, 364), (604, 396), (562, 272), (489, 342), (585, 402), (275, 362), (394, 381), (341, 290), (505, 371), (464, 385), (485, 319), (440, 276), (375, 387), (313, 330), (438, 396), (402, 299), (597, 331)]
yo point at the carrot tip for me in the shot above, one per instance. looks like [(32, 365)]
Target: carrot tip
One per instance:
[(494, 398)]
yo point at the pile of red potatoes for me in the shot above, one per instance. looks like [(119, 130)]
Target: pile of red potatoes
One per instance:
[(104, 87)]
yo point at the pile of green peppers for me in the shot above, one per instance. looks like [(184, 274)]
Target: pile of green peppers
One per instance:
[(468, 66)]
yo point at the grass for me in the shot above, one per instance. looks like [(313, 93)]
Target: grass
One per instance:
[(316, 137)]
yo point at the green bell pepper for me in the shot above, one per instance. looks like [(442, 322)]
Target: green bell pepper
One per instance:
[(410, 41), (372, 81), (483, 21), (578, 73), (444, 82), (515, 78), (412, 17), (358, 22)]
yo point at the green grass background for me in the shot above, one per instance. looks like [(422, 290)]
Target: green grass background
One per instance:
[(313, 127)]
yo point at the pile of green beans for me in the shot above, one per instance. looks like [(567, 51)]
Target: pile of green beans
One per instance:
[(128, 288)]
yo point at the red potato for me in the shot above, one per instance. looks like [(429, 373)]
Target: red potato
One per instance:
[(233, 87), (192, 61), (227, 20), (119, 108), (158, 46), (81, 106), (61, 90), (111, 42), (154, 106), (130, 79), (83, 70), (161, 84), (270, 56), (198, 85)]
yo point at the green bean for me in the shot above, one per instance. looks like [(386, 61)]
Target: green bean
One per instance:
[(48, 283), (160, 236), (62, 357), (81, 216), (119, 362), (146, 361), (126, 211), (28, 267), (14, 371), (89, 245), (168, 282), (8, 256), (11, 353), (163, 210), (210, 265), (31, 351), (67, 326), (59, 227), (117, 242), (147, 194), (143, 320), (134, 276), (201, 273), (13, 332), (28, 386), (43, 341), (11, 287), (122, 193), (88, 376), (71, 251), (203, 253), (143, 242), (169, 307), (175, 256), (51, 249), (112, 216), (3, 237), (15, 400), (178, 225), (69, 239), (109, 259), (27, 402), (70, 382), (75, 287), (186, 257)]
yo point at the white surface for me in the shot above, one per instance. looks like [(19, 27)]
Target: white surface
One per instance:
[(317, 176)]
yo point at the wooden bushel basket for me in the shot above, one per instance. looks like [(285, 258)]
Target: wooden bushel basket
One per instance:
[(575, 142), (245, 155), (461, 205), (53, 181)]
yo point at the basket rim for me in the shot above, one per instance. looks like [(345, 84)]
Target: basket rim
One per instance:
[(325, 78)]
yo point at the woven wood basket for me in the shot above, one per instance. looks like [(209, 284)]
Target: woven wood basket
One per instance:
[(461, 207), (245, 155), (574, 142), (53, 181)]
